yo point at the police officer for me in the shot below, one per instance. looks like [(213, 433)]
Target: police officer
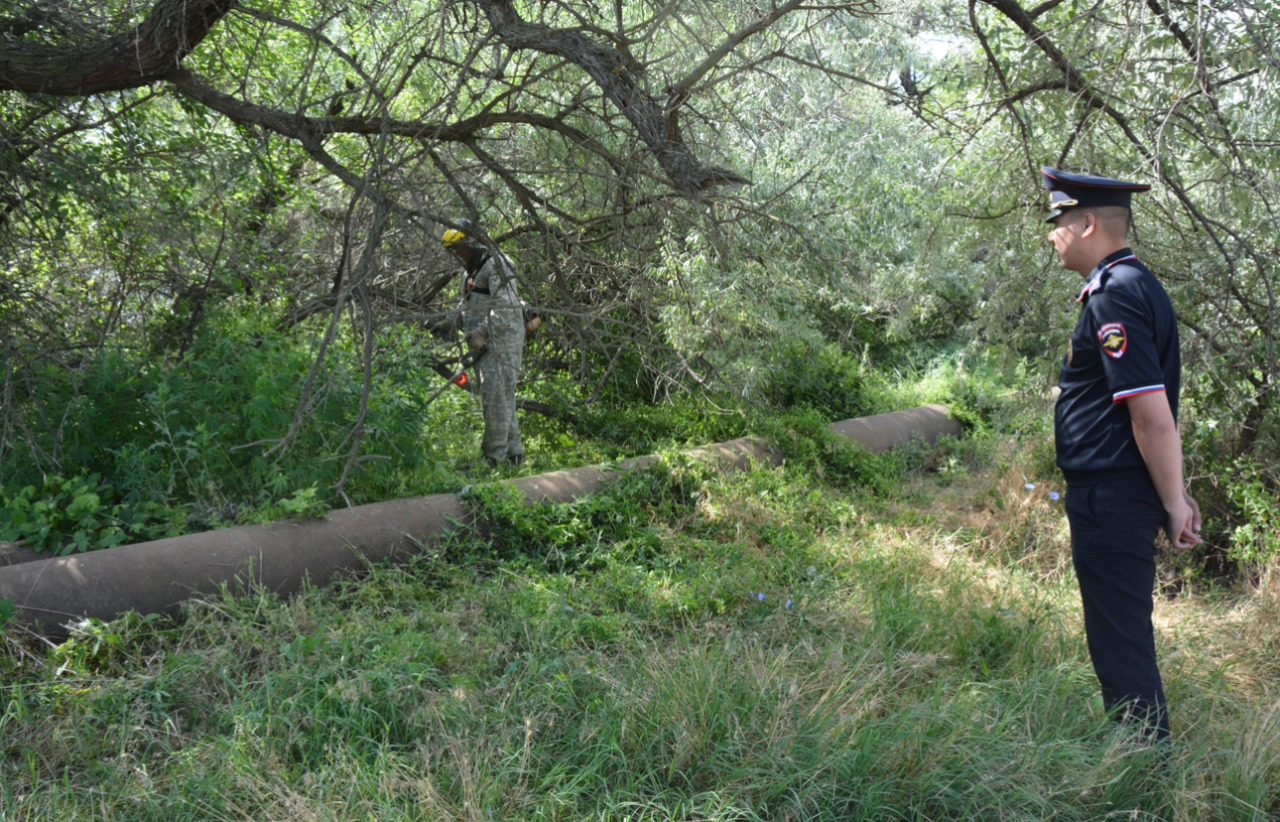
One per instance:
[(492, 307), (1117, 440)]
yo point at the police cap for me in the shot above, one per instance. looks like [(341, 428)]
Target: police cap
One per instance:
[(1068, 190)]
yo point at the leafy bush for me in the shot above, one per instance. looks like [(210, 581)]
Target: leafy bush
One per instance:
[(644, 429), (195, 432), (583, 533), (807, 440), (63, 515), (1252, 489), (821, 377)]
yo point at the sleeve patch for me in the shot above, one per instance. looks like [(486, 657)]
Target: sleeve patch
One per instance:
[(1113, 339)]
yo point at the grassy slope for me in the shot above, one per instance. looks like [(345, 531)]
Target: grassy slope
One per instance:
[(916, 655)]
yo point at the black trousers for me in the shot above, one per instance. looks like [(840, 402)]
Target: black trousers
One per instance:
[(1114, 523)]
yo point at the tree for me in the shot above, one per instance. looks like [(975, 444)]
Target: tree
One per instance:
[(1176, 94), (1182, 95), (575, 134)]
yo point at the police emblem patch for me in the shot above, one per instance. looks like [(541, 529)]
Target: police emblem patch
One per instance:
[(1113, 339)]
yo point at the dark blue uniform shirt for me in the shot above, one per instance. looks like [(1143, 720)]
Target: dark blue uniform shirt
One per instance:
[(1125, 344)]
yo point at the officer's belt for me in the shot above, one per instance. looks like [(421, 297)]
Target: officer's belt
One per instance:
[(1126, 474)]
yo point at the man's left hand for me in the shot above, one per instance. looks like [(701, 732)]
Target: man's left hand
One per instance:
[(1183, 527)]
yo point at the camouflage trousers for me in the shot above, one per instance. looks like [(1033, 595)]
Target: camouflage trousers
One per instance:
[(497, 372)]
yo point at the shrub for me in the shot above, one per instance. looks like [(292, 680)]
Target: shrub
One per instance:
[(820, 377), (63, 515), (1252, 489)]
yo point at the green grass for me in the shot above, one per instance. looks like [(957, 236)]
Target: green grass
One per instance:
[(916, 656)]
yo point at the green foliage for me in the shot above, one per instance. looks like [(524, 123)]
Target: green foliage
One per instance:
[(62, 516), (1251, 487), (613, 521), (645, 428), (154, 251), (887, 664), (93, 647), (820, 377), (612, 658), (195, 434), (304, 503), (805, 437)]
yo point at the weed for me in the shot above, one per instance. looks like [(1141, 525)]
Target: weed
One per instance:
[(819, 378), (64, 515), (582, 534)]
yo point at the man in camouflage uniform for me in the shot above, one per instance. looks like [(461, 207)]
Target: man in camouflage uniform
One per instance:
[(491, 305)]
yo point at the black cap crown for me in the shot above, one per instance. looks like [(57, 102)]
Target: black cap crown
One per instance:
[(1068, 190)]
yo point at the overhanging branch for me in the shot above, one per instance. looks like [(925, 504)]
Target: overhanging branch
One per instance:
[(620, 77), (145, 54), (297, 126)]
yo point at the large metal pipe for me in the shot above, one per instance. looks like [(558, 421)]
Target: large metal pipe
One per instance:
[(155, 577)]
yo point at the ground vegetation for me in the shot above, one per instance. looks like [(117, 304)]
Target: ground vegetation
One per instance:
[(791, 643)]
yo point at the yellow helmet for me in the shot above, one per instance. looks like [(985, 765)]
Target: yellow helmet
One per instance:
[(454, 237)]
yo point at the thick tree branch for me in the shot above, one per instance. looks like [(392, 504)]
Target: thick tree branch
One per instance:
[(620, 78), (1023, 20), (1048, 5), (1175, 30), (1075, 81), (297, 126), (144, 55)]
